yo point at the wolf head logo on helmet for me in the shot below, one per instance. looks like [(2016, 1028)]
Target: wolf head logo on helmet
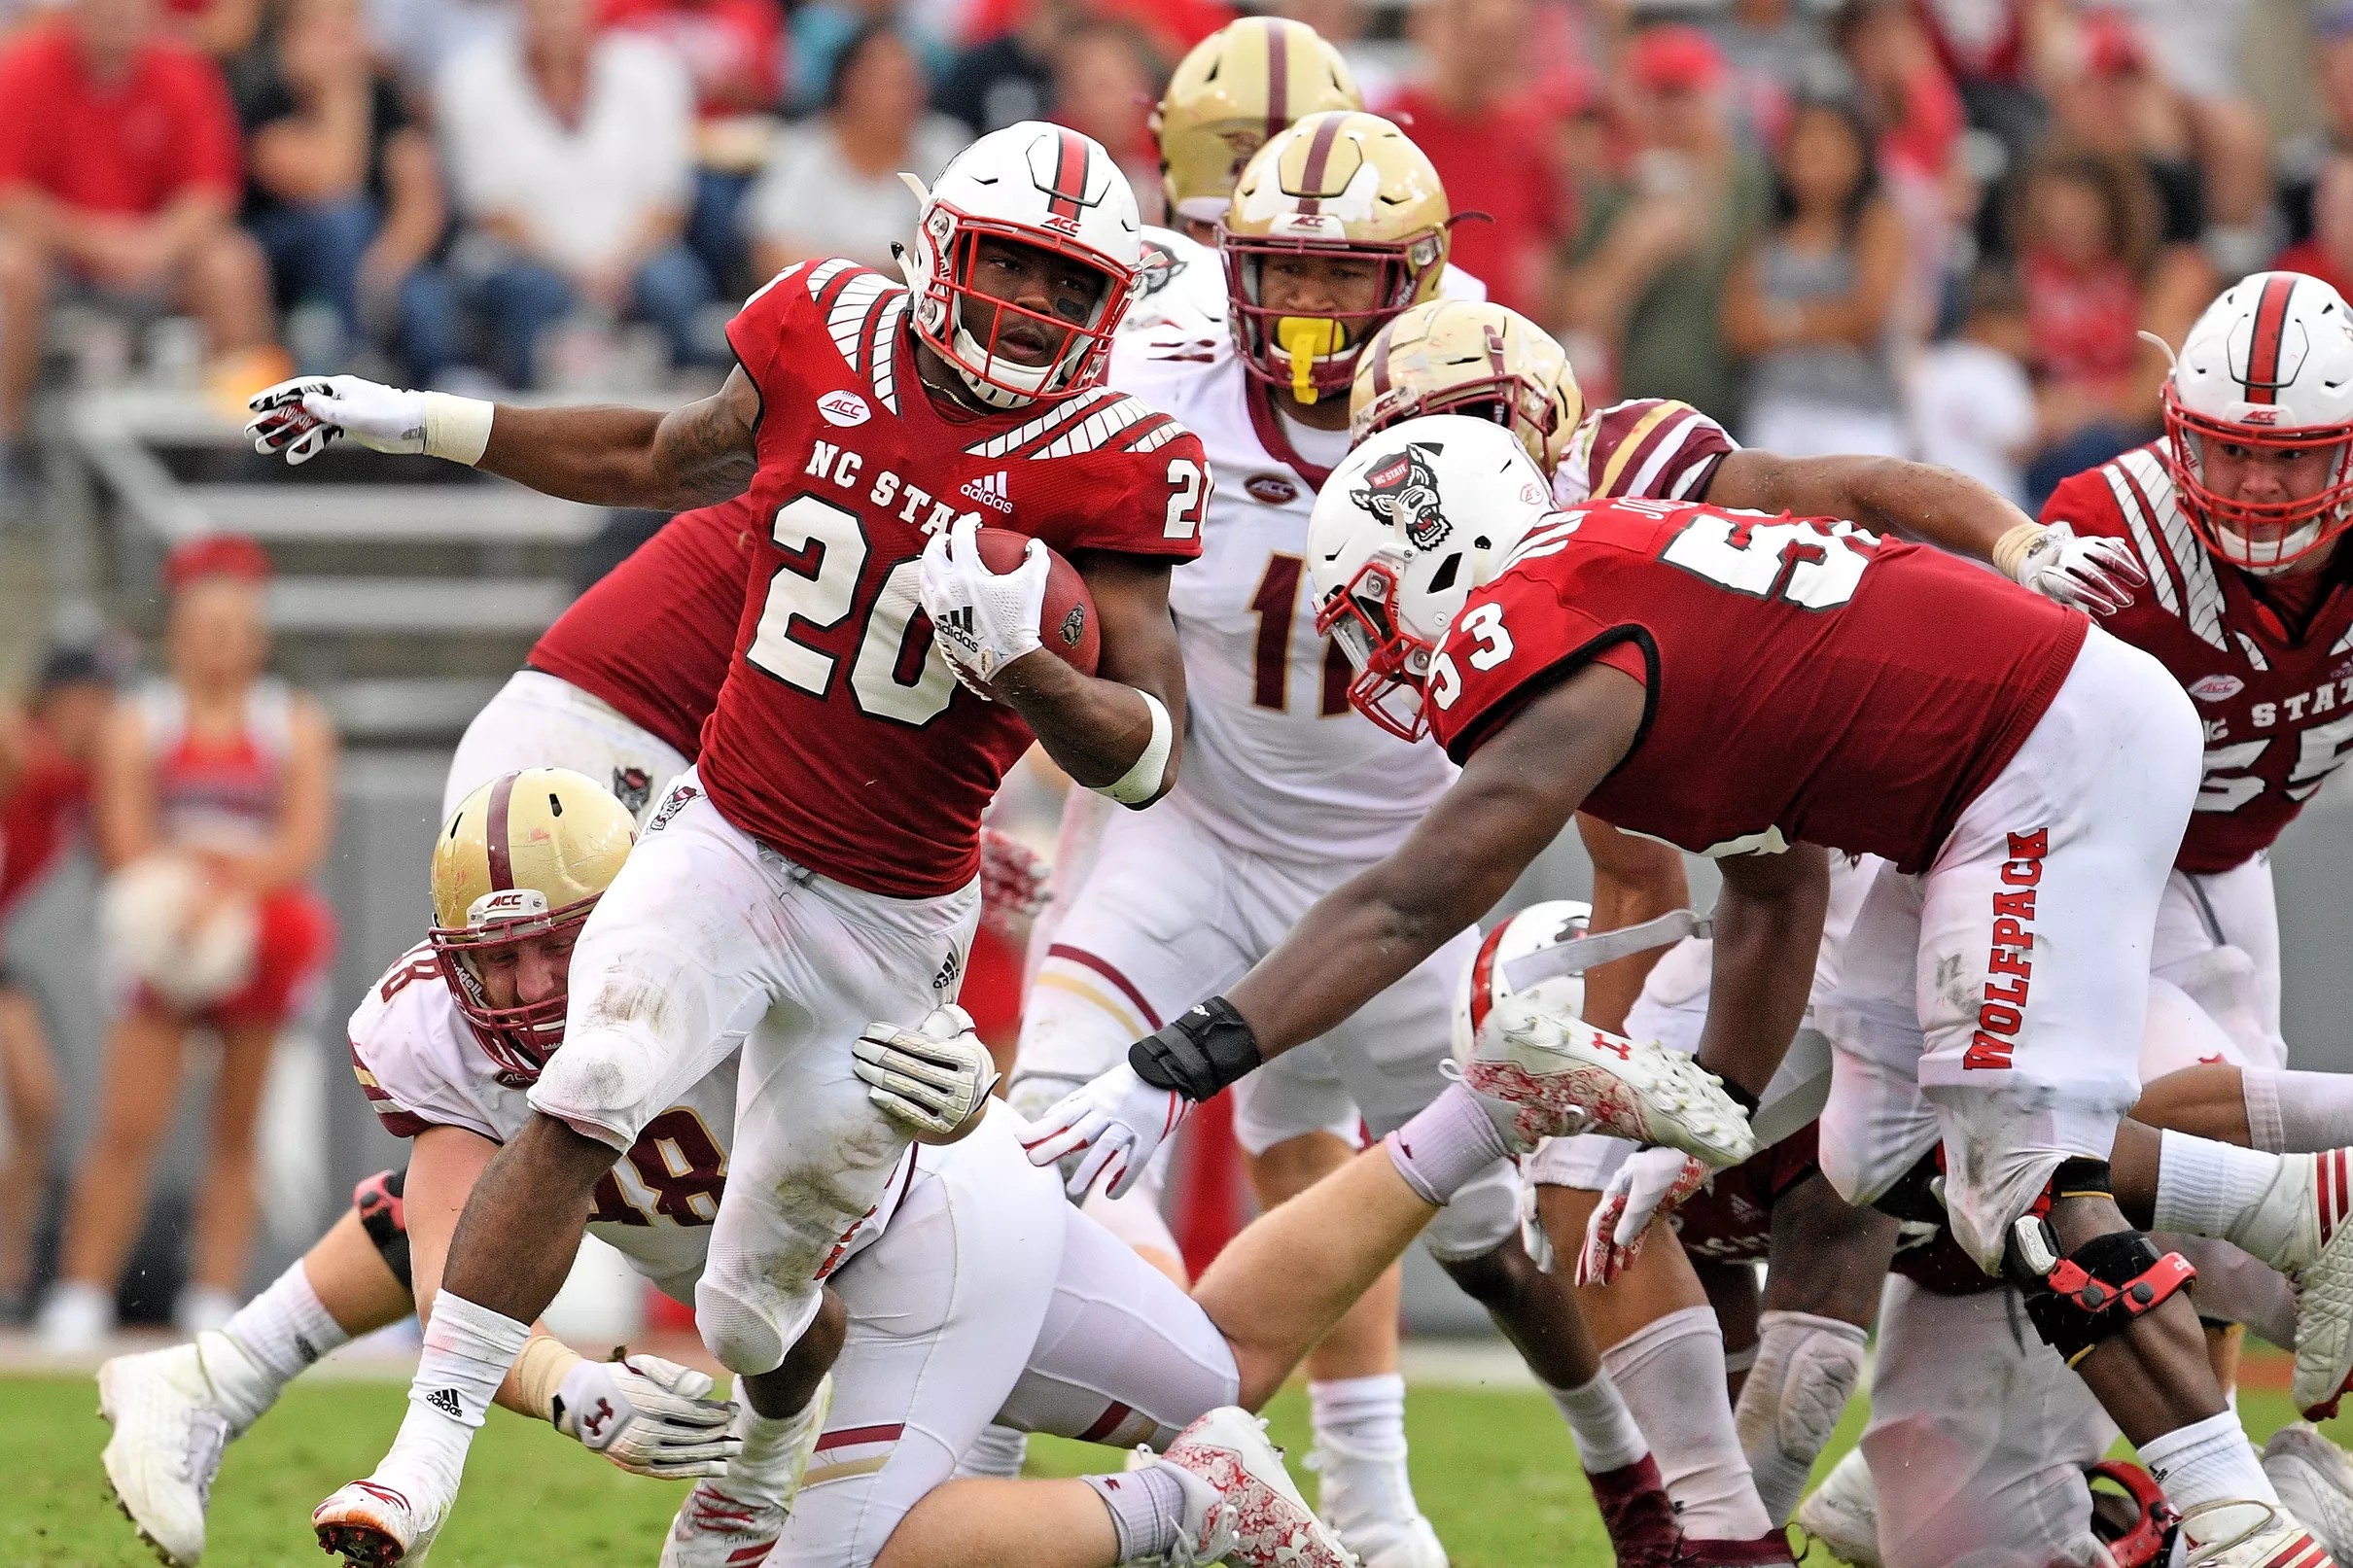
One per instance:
[(1405, 492)]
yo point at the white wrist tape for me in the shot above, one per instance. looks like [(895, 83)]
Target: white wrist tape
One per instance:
[(2010, 550), (456, 428), (1142, 782)]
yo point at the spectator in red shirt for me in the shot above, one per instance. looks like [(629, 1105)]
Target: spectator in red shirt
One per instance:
[(45, 760), (1490, 140), (2328, 255), (119, 171)]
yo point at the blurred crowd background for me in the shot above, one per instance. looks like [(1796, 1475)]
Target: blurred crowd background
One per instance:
[(1956, 229)]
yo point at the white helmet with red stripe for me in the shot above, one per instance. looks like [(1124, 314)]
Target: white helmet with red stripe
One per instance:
[(1531, 930), (1041, 186), (2267, 368)]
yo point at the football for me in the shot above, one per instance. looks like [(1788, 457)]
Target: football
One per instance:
[(1066, 623)]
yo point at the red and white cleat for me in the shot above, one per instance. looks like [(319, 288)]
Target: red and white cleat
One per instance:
[(1562, 1077), (372, 1525), (1272, 1525), (734, 1519), (2266, 1537)]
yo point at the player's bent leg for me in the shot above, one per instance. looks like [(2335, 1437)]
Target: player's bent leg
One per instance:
[(174, 1411), (733, 1518)]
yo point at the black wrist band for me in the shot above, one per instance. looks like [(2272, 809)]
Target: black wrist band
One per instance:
[(1740, 1097), (1198, 1054)]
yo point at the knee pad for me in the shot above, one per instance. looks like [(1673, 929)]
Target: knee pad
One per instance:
[(2077, 1300), (1807, 1368), (1479, 1218), (385, 1219), (749, 1337)]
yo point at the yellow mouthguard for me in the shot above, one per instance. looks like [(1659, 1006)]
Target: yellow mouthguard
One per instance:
[(1303, 338)]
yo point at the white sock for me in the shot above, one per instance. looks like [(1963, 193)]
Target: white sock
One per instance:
[(2297, 1112), (287, 1327), (1807, 1368), (1447, 1143), (1148, 1507), (1360, 1415), (999, 1452), (2210, 1461), (1672, 1373), (1608, 1437), (468, 1352), (2244, 1195)]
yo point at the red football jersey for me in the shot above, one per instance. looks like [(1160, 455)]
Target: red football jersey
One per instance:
[(653, 636), (1807, 681), (2278, 707), (840, 739)]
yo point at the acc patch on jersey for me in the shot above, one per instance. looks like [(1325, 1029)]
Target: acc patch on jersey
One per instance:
[(843, 409), (1271, 489), (2218, 688)]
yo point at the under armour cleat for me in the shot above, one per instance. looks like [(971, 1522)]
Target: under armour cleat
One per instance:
[(1637, 1513), (1562, 1077), (1844, 1512), (1272, 1525), (733, 1520), (2314, 1480), (371, 1526), (2266, 1537), (1368, 1499), (170, 1431)]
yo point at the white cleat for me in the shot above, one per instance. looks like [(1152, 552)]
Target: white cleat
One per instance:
[(370, 1524), (2267, 1537), (2302, 1228), (2314, 1480), (1271, 1523), (1562, 1077), (168, 1433), (1369, 1500), (1844, 1512), (733, 1520)]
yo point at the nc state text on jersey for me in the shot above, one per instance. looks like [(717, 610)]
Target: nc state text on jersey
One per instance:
[(842, 466)]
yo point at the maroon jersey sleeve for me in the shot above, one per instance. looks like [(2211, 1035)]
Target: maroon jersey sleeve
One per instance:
[(1652, 447)]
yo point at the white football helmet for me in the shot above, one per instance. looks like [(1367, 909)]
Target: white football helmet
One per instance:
[(2268, 366), (1408, 525), (1041, 186), (1531, 930)]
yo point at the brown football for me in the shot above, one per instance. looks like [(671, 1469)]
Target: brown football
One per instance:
[(1066, 621)]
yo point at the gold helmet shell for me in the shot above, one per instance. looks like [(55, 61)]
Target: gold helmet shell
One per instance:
[(1340, 183), (1239, 88), (526, 855), (1469, 357)]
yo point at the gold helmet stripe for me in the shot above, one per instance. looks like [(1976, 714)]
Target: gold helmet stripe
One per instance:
[(502, 854), (1277, 80), (1318, 154)]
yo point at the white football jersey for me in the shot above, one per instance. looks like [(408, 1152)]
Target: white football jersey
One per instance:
[(1275, 760), (1180, 286), (420, 1066)]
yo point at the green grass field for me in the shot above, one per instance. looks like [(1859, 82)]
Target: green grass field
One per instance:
[(1495, 1473)]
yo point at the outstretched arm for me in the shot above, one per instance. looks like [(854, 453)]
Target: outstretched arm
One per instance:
[(1947, 509), (1516, 794)]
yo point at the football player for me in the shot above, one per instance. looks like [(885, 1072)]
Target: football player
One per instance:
[(1585, 658), (819, 859), (1336, 224)]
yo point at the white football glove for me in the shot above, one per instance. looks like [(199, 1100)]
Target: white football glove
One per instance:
[(1651, 1184), (647, 1416), (1117, 1122), (2096, 574), (981, 620), (299, 417), (934, 1077)]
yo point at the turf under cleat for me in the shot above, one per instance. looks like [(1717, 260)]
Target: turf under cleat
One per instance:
[(1844, 1512), (371, 1526), (168, 1434), (1368, 1499), (733, 1521), (2314, 1480), (1562, 1077), (1272, 1525), (2266, 1537)]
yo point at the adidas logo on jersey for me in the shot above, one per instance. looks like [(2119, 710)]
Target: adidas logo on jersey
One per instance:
[(989, 491), (445, 1400), (949, 973)]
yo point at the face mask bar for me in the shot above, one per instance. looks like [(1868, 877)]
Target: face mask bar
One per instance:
[(1085, 345), (519, 1038), (2261, 537), (1260, 330), (1392, 665)]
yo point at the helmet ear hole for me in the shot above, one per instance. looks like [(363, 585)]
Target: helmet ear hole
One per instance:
[(1444, 577)]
